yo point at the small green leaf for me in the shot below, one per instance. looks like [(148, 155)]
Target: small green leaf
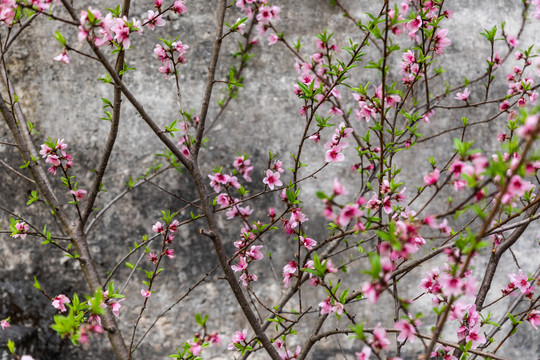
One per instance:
[(11, 346), (60, 38)]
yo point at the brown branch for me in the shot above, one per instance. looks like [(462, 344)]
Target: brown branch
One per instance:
[(210, 80), (16, 172), (113, 132), (496, 256)]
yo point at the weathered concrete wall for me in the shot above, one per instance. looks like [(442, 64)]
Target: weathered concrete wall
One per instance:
[(65, 103)]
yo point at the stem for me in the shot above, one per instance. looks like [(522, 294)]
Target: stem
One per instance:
[(211, 76)]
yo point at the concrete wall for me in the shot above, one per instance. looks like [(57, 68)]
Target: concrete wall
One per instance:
[(64, 101)]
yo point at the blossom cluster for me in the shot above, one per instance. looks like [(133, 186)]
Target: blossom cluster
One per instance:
[(239, 337), (229, 181), (113, 29), (246, 256), (264, 14), (54, 153), (519, 282), (9, 8), (284, 353), (443, 284), (196, 345), (170, 56), (168, 231), (20, 230)]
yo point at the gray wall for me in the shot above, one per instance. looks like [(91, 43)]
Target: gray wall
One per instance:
[(65, 103)]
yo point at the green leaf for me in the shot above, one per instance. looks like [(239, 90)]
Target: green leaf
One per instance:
[(201, 321), (358, 330), (106, 79), (60, 38), (321, 195), (513, 319), (11, 346), (26, 164), (490, 34), (33, 198), (36, 284)]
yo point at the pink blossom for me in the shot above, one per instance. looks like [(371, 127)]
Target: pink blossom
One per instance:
[(195, 348), (62, 57), (370, 293), (45, 150), (297, 217), (116, 306), (241, 265), (153, 257), (173, 227), (430, 283), (121, 32), (343, 131), (496, 60), (287, 279), (179, 7), (365, 354), (475, 336), (413, 26), (267, 13), (21, 228), (254, 252), (158, 227), (330, 266), (406, 330), (272, 179), (338, 188), (335, 111), (79, 194), (441, 41), (432, 177), (338, 308), (513, 40), (4, 324), (463, 96), (365, 112), (387, 205), (169, 253), (54, 160), (309, 243), (521, 281), (246, 278), (326, 306), (59, 302), (290, 268), (504, 105), (528, 129), (272, 39), (450, 285), (315, 137), (237, 338), (445, 229), (334, 154), (290, 356), (533, 317), (154, 19), (146, 293), (427, 116), (445, 352), (278, 166), (348, 212), (214, 338), (380, 341)]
